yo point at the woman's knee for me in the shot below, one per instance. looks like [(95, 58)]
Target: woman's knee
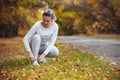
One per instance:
[(54, 52), (36, 37)]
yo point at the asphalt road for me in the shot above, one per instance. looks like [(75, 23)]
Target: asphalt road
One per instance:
[(107, 49)]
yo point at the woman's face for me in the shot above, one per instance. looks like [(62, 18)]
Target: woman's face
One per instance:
[(47, 21)]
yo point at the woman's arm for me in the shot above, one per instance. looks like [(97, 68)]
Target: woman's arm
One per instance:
[(52, 41), (50, 45), (28, 36)]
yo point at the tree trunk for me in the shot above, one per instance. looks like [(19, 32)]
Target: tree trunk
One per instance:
[(8, 31)]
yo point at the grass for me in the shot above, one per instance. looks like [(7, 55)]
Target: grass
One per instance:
[(72, 64)]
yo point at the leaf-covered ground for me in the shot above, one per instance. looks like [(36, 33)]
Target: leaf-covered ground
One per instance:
[(71, 64)]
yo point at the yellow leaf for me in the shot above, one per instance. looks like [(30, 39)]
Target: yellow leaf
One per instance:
[(112, 63), (92, 1)]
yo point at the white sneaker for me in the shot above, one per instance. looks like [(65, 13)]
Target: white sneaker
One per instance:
[(35, 63), (44, 61)]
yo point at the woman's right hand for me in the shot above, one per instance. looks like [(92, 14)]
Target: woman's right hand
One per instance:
[(31, 56)]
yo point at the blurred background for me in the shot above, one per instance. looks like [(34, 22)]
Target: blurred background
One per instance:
[(75, 17)]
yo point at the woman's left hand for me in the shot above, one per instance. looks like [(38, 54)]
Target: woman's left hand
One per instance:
[(41, 58)]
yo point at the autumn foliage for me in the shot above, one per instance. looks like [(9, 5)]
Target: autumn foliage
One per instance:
[(73, 16), (71, 64)]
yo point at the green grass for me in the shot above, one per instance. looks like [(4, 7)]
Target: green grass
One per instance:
[(15, 63), (72, 64)]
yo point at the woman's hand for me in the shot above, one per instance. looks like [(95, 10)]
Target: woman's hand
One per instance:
[(31, 56), (41, 58)]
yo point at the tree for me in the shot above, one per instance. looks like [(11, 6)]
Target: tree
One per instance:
[(13, 16), (105, 13)]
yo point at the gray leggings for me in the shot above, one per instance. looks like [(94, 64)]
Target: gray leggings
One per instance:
[(38, 48)]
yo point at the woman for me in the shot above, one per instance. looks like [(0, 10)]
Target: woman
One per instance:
[(41, 38)]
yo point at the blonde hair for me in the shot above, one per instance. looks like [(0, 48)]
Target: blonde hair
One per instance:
[(50, 13)]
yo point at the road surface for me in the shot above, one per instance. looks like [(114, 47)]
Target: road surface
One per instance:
[(108, 49)]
